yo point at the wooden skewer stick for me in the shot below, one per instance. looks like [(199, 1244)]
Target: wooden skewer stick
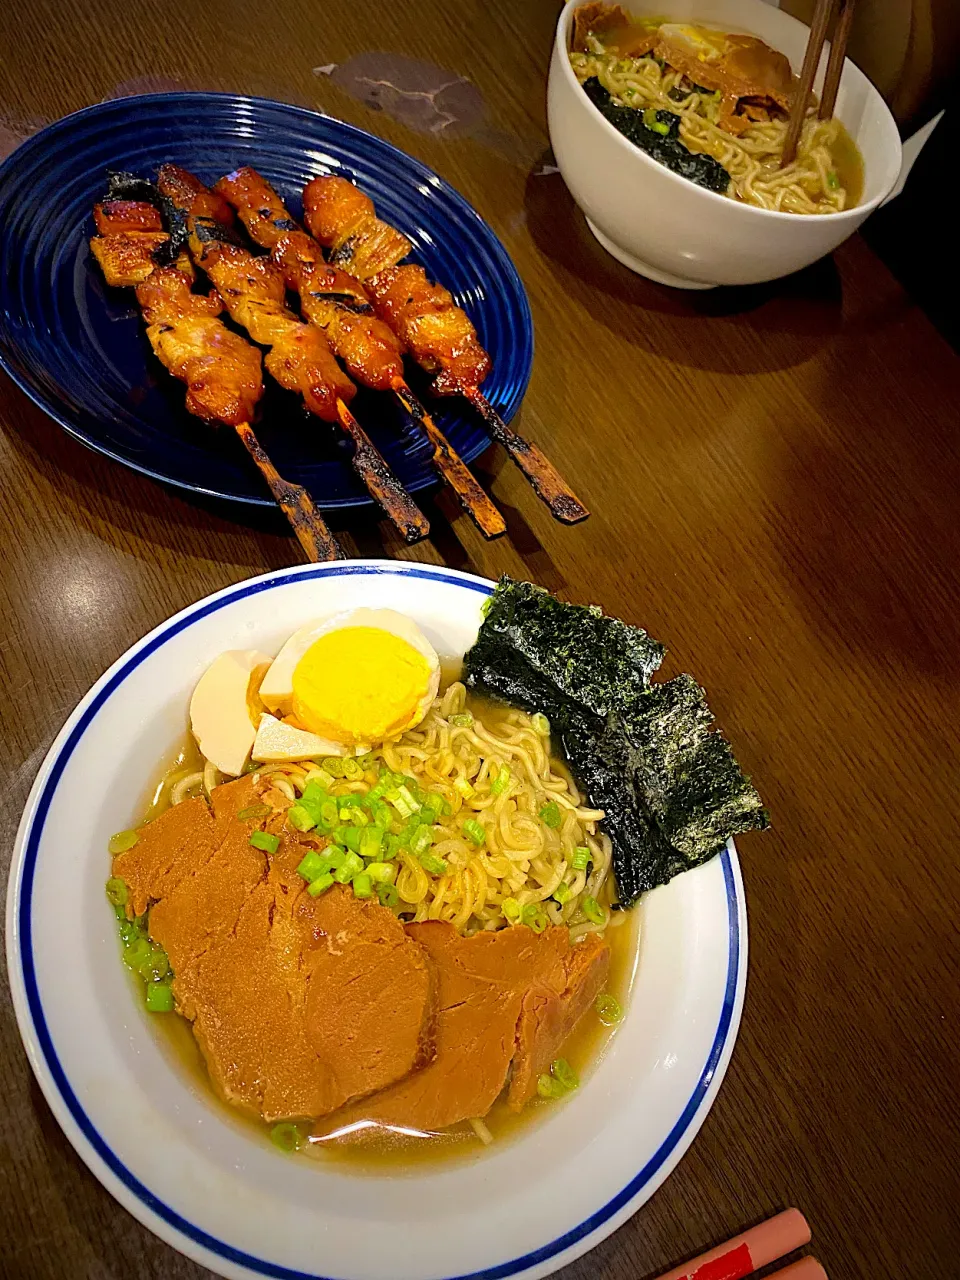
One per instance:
[(451, 467), (297, 505), (381, 483), (838, 50), (548, 484), (822, 17)]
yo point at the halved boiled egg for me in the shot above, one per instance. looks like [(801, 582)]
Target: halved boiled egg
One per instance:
[(224, 710), (360, 677)]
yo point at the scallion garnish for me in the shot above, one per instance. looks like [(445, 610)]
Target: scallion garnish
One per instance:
[(333, 766), (286, 1136), (299, 818), (608, 1009), (404, 803), (436, 866), (547, 1087), (421, 842), (351, 769), (371, 842), (117, 892), (562, 1072), (265, 841), (349, 867), (581, 858), (122, 841), (381, 872), (254, 811), (592, 909), (463, 720), (501, 781), (464, 787), (320, 885), (387, 893), (155, 967), (159, 997), (541, 724), (550, 815), (511, 910), (562, 893), (311, 866), (534, 917), (362, 885), (474, 831)]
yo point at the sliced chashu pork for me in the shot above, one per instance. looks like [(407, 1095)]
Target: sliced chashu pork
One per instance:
[(483, 986), (299, 1004)]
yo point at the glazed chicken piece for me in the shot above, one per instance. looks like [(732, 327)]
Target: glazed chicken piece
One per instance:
[(254, 293), (221, 371), (424, 316), (329, 297)]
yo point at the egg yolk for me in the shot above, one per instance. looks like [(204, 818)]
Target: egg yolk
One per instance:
[(359, 684)]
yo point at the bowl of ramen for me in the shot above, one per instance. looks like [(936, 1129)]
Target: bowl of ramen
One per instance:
[(668, 127), (362, 905)]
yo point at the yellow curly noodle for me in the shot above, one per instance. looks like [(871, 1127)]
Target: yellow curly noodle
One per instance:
[(812, 184), (522, 857)]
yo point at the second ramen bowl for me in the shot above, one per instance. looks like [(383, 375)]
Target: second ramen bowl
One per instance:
[(675, 232)]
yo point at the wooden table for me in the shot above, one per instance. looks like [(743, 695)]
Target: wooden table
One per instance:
[(775, 484)]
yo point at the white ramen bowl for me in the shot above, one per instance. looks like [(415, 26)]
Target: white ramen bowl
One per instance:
[(668, 228), (211, 1187)]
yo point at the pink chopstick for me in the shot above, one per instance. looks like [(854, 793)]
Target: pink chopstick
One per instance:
[(751, 1250)]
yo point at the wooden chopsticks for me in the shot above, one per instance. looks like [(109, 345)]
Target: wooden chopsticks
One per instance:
[(823, 19), (765, 1243)]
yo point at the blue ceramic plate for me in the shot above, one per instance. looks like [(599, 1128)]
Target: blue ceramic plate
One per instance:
[(79, 350)]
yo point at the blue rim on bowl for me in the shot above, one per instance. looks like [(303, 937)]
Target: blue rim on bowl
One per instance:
[(81, 1130), (78, 349)]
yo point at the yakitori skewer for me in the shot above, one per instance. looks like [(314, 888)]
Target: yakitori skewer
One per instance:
[(299, 357), (339, 304), (222, 371), (436, 332)]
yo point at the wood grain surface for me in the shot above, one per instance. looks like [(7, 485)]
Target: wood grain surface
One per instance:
[(775, 486)]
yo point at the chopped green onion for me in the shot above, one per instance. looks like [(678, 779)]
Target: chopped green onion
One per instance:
[(362, 886), (326, 780), (333, 766), (350, 768), (371, 842), (592, 909), (436, 866), (387, 893), (332, 859), (156, 965), (486, 606), (351, 801), (381, 872), (391, 845), (381, 815), (265, 841), (534, 917), (404, 802), (117, 891), (541, 724), (127, 930), (367, 760), (511, 910), (581, 858), (421, 841), (474, 831), (287, 1137), (547, 1087), (563, 893), (550, 815), (136, 951), (833, 181), (608, 1009), (329, 813), (299, 818), (564, 1074), (320, 885), (350, 866), (464, 787), (501, 781), (122, 841), (428, 815), (159, 997), (254, 811), (463, 720), (311, 866)]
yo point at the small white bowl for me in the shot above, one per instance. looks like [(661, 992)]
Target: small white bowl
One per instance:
[(677, 233), (210, 1186)]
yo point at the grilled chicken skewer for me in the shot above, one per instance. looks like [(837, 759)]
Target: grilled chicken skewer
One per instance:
[(339, 304), (222, 372), (299, 357), (436, 332)]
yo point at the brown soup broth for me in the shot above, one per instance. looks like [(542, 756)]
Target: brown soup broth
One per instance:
[(385, 1152)]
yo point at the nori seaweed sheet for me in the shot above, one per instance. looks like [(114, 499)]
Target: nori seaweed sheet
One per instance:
[(666, 148), (670, 787)]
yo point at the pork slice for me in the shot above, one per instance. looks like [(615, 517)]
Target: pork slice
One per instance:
[(548, 1017), (481, 983), (167, 849)]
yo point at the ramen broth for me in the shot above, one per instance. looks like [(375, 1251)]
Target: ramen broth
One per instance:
[(387, 1151)]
